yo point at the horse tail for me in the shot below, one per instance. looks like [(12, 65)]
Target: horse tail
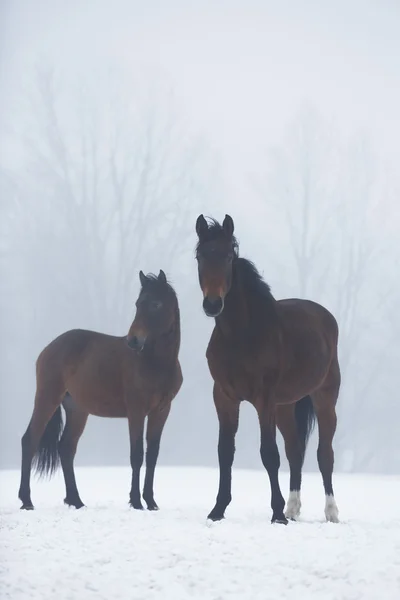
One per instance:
[(305, 421), (47, 458)]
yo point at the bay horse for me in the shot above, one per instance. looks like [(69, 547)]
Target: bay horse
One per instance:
[(280, 355), (89, 373)]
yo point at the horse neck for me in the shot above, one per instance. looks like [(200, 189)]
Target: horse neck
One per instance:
[(247, 311), (164, 349)]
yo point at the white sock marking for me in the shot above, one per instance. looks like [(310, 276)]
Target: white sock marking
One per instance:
[(293, 505), (331, 509)]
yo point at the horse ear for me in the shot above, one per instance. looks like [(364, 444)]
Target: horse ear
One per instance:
[(142, 278), (162, 276), (228, 225), (201, 226)]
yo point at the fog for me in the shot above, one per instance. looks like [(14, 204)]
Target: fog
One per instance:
[(121, 121)]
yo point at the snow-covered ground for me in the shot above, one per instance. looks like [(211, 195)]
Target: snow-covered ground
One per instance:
[(110, 551)]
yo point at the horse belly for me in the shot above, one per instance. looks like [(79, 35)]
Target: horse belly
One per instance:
[(111, 408), (100, 403), (298, 383)]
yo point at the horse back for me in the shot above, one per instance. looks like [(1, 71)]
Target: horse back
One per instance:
[(305, 320), (72, 346), (88, 365)]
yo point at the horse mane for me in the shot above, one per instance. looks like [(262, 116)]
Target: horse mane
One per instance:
[(152, 281), (173, 336), (215, 231), (252, 279), (250, 276), (245, 273)]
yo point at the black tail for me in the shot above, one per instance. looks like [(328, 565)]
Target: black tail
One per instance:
[(305, 420), (47, 458)]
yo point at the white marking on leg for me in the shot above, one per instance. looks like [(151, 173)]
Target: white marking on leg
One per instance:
[(331, 509), (293, 505)]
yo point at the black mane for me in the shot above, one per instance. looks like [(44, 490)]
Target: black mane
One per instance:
[(216, 231), (251, 278), (153, 282)]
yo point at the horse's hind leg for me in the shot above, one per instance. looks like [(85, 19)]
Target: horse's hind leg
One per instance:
[(324, 401), (155, 425), (46, 417), (75, 424), (295, 448)]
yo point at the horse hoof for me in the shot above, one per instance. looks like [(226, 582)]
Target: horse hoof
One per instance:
[(74, 503), (27, 507), (152, 507), (282, 520), (136, 506), (332, 519), (291, 515), (215, 517), (331, 510)]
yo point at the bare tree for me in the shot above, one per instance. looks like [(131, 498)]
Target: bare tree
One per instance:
[(327, 191), (109, 189), (299, 185)]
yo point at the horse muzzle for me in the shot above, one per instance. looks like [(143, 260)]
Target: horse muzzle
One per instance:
[(213, 306), (137, 342)]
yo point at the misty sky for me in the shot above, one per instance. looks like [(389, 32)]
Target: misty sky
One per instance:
[(239, 69)]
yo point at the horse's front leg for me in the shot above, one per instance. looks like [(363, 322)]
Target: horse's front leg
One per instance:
[(270, 457), (228, 416), (136, 419), (155, 425)]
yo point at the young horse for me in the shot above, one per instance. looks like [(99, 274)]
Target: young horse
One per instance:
[(136, 377), (279, 355)]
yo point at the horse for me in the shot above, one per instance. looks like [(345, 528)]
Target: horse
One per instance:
[(90, 373), (280, 355)]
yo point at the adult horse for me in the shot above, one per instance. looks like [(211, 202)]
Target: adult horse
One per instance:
[(279, 355), (91, 373)]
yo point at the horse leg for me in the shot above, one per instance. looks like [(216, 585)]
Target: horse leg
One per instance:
[(44, 411), (271, 460), (76, 420), (155, 425), (324, 401), (136, 427), (228, 416), (286, 421)]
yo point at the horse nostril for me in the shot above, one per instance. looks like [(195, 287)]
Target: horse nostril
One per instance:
[(213, 306)]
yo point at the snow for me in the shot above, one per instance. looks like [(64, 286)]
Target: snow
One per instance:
[(110, 551)]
